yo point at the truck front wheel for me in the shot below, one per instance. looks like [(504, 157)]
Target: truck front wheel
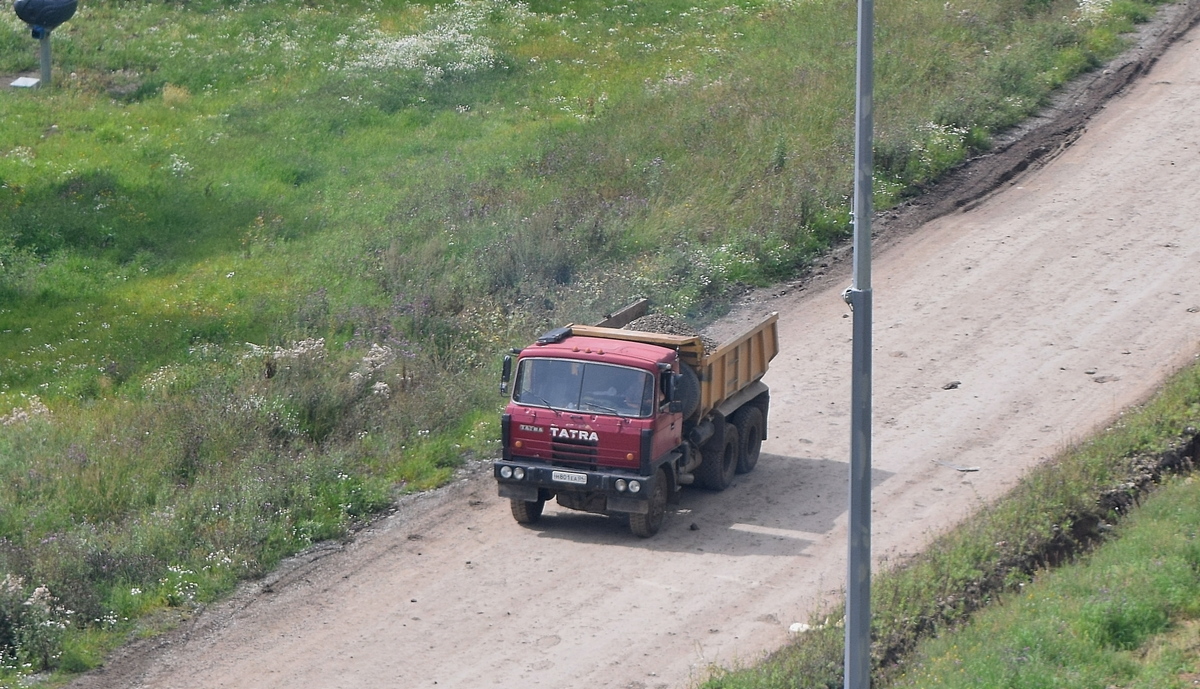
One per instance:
[(648, 524), (526, 512), (720, 461)]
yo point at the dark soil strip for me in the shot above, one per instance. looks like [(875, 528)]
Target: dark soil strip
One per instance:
[(1087, 529), (1038, 141)]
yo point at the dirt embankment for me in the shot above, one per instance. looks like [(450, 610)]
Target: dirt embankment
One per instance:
[(1056, 285)]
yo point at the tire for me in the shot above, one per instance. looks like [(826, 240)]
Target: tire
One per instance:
[(720, 461), (527, 512), (646, 525), (688, 392), (749, 422)]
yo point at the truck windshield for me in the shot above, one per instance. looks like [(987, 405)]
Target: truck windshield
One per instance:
[(584, 386)]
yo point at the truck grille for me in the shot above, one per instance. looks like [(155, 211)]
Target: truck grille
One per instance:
[(570, 451)]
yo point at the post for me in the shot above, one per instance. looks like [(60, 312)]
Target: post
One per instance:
[(858, 580), (44, 16), (44, 55)]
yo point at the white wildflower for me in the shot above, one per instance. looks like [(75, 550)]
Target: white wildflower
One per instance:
[(12, 584), (41, 598), (452, 46), (378, 357), (304, 349), (160, 378), (34, 408), (179, 166), (24, 154), (1093, 10)]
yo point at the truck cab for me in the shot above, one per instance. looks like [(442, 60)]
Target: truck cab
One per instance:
[(590, 421)]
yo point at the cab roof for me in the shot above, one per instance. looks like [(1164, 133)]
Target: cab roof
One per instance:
[(601, 349)]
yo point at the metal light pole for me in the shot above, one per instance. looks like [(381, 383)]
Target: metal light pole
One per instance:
[(858, 580)]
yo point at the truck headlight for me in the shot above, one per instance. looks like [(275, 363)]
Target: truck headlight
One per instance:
[(635, 486), (519, 473), (620, 485), (506, 472)]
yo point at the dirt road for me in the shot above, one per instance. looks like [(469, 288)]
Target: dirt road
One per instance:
[(1053, 304)]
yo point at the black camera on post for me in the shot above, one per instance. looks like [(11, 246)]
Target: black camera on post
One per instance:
[(43, 16)]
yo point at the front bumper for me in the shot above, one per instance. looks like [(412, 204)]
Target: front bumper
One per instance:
[(541, 480)]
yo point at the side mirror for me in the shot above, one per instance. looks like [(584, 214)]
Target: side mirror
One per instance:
[(505, 375), (674, 404)]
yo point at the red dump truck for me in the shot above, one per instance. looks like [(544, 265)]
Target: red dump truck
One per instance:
[(611, 420)]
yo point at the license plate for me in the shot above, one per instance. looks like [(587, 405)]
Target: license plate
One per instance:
[(568, 477)]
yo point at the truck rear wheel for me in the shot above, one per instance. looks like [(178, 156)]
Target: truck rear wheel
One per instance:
[(648, 524), (749, 422), (526, 512), (720, 461)]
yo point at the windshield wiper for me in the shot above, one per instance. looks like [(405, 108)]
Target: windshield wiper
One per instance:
[(601, 407), (543, 400)]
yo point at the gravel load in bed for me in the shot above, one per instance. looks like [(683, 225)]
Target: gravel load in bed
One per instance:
[(657, 323)]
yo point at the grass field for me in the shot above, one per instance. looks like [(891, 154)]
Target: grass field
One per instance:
[(257, 259), (1125, 615)]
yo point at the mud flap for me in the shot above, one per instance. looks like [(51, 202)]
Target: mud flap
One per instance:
[(517, 492), (635, 506)]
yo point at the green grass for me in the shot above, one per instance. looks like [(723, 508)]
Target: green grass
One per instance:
[(1086, 625), (1001, 554), (211, 185)]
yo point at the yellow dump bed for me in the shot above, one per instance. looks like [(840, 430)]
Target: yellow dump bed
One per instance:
[(737, 362), (723, 372)]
